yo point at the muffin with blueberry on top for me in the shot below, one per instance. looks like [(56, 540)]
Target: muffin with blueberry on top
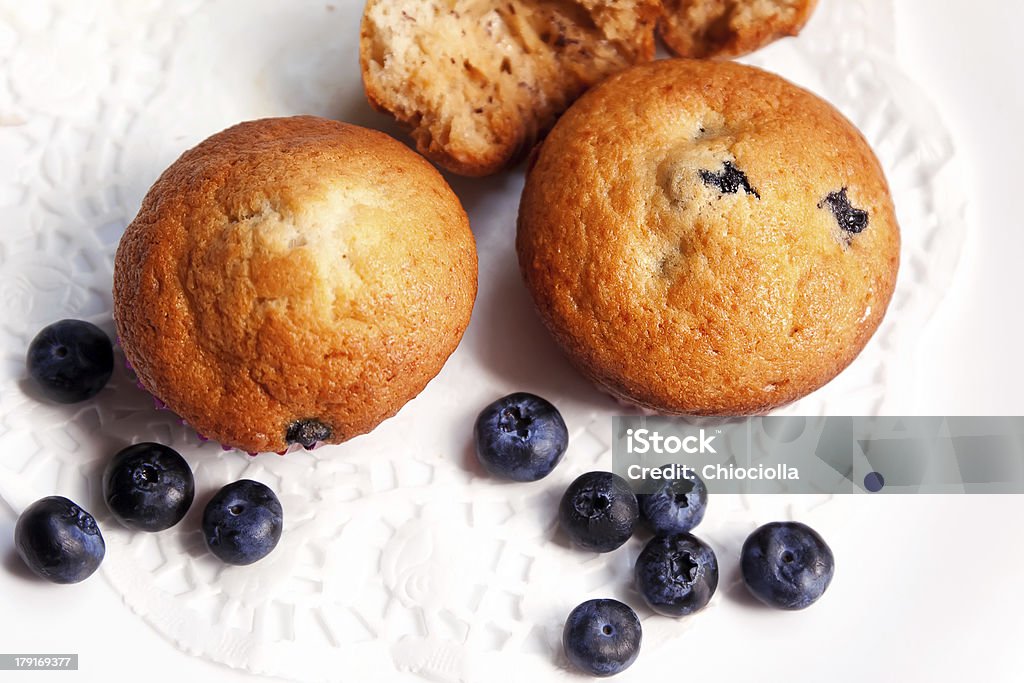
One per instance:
[(293, 281), (706, 238)]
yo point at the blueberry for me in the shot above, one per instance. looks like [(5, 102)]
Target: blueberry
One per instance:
[(307, 432), (599, 511), (729, 180), (786, 565), (851, 220), (59, 541), (71, 360), (520, 437), (148, 487), (242, 522), (677, 506), (602, 637), (677, 574)]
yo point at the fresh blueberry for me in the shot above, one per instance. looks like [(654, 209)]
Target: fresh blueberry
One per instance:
[(58, 540), (677, 574), (520, 437), (786, 565), (243, 522), (71, 360), (148, 487), (602, 637), (677, 506), (599, 511)]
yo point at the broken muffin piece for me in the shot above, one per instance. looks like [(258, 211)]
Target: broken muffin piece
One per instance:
[(729, 28), (478, 82)]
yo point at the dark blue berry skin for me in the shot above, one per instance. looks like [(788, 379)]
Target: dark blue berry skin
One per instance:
[(520, 437), (243, 522), (148, 487), (599, 511), (676, 574), (676, 507), (59, 541), (602, 637), (786, 565), (71, 360)]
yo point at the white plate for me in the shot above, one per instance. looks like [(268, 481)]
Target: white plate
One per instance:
[(399, 560)]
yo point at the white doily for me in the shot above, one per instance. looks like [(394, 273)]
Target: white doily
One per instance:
[(399, 560)]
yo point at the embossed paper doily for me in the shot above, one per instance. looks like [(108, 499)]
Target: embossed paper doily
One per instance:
[(399, 560)]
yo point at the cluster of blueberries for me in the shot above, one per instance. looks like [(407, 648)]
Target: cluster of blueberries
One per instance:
[(522, 437), (147, 486), (784, 564)]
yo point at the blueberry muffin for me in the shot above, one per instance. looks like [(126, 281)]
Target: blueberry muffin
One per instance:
[(706, 238), (729, 28), (293, 281)]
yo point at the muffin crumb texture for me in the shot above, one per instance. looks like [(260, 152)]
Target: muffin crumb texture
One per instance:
[(479, 81), (729, 28)]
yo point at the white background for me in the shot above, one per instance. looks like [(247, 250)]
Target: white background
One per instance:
[(966, 55)]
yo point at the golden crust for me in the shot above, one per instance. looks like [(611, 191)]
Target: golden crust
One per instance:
[(729, 28), (293, 269), (683, 297), (478, 82)]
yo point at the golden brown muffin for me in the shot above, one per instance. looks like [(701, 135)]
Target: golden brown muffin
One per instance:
[(293, 280), (479, 81), (729, 28), (706, 238)]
